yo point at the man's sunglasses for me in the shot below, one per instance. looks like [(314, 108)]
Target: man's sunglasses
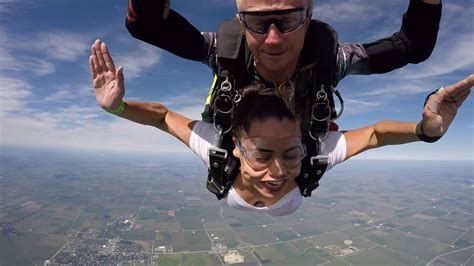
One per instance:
[(286, 20)]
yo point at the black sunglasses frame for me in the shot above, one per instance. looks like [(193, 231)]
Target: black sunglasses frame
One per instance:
[(275, 21)]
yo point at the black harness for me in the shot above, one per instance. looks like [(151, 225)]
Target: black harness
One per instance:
[(315, 87)]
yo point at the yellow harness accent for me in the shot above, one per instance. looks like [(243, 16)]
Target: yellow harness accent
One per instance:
[(208, 99)]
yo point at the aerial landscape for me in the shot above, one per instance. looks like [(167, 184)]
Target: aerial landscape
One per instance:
[(83, 209), (82, 186)]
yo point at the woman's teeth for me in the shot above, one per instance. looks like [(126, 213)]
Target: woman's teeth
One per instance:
[(276, 183), (273, 185)]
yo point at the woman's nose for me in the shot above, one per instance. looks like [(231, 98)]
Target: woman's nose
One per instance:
[(277, 169)]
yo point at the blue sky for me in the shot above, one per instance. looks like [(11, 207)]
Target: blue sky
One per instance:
[(46, 99)]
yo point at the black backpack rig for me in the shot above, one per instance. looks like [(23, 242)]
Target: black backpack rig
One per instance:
[(233, 71)]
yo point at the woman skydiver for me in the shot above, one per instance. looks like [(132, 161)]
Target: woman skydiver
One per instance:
[(267, 134)]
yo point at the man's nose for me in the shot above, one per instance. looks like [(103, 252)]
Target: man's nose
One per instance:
[(273, 35)]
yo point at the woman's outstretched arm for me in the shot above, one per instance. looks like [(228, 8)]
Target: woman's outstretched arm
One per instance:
[(438, 113), (108, 83)]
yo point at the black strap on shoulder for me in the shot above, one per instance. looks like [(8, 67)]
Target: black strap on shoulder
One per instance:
[(314, 165), (316, 72), (318, 65), (223, 168), (231, 56)]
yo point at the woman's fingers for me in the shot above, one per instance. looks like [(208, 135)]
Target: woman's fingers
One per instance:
[(462, 98), (109, 63), (95, 59), (91, 68), (100, 56), (456, 91)]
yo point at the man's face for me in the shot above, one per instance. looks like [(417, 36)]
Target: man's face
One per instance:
[(275, 52)]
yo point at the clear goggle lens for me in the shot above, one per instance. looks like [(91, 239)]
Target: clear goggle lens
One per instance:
[(261, 152)]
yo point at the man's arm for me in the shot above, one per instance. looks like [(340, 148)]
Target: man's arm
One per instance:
[(438, 113), (414, 43), (153, 22)]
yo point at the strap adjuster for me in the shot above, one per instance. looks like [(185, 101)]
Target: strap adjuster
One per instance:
[(320, 159), (217, 155)]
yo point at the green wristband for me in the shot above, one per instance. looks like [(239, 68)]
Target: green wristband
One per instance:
[(119, 109)]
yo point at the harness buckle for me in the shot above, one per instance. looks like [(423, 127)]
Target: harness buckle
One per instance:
[(217, 154), (307, 191), (318, 130), (222, 123), (217, 158), (320, 159)]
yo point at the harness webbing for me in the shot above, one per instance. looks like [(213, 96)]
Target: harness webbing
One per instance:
[(234, 71)]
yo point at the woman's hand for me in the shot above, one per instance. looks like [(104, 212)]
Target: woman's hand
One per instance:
[(107, 81), (442, 106)]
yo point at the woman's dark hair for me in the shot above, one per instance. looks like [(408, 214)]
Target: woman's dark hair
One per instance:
[(260, 103)]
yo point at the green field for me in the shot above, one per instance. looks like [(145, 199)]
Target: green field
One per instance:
[(29, 247), (381, 256), (188, 259)]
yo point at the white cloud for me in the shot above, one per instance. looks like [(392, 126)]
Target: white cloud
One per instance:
[(13, 94), (5, 6), (79, 128), (61, 46), (7, 61), (352, 11), (70, 93), (140, 59), (452, 54), (59, 95), (11, 60), (404, 88), (21, 63), (354, 106), (37, 66)]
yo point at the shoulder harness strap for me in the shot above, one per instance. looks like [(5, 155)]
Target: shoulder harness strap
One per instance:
[(225, 95), (318, 66)]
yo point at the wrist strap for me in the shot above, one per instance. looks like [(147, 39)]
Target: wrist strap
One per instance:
[(119, 109), (421, 135)]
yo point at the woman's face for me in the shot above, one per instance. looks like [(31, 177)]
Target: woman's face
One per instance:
[(270, 154)]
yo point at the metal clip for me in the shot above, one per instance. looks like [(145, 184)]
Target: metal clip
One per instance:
[(237, 97), (224, 104), (320, 159), (226, 86), (217, 153), (325, 107), (321, 94), (319, 137), (220, 189)]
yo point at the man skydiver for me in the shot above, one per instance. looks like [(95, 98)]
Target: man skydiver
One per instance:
[(280, 43), (155, 23)]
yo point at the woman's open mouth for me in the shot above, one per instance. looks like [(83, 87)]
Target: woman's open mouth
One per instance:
[(274, 186)]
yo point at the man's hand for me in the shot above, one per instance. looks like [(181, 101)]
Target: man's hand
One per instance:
[(107, 81), (441, 107)]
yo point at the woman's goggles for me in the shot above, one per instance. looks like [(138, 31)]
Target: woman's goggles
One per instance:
[(261, 152), (286, 20)]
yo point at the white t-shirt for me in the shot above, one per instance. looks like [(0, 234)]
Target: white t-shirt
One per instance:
[(201, 140)]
